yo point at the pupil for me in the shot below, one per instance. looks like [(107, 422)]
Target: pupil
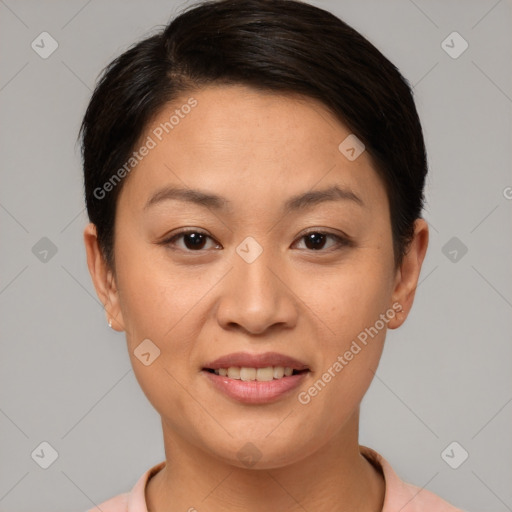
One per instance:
[(316, 240), (195, 240)]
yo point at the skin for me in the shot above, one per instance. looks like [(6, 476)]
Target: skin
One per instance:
[(255, 149)]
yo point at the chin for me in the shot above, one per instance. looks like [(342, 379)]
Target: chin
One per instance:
[(262, 451)]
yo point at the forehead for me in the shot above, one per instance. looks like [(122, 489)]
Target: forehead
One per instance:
[(251, 146)]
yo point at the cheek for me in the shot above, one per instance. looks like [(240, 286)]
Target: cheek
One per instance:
[(160, 308), (351, 298), (349, 356), (349, 308)]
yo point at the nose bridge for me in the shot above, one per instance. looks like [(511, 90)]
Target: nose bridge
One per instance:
[(254, 296)]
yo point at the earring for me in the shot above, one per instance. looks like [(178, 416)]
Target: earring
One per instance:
[(110, 323)]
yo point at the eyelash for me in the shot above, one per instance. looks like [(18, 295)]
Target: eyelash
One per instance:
[(341, 241)]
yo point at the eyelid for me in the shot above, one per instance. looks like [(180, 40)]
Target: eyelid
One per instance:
[(343, 240), (323, 231), (167, 240)]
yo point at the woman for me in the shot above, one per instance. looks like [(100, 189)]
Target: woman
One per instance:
[(254, 179)]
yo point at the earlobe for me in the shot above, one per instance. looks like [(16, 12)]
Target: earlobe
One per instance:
[(103, 278), (408, 274)]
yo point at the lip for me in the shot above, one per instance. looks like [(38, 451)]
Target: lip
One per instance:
[(256, 361), (255, 392)]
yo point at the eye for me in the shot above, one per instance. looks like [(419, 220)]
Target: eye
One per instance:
[(193, 240), (315, 240)]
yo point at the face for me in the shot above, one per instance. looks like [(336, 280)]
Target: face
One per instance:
[(287, 261)]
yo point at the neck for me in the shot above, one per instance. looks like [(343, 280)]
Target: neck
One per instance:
[(334, 478)]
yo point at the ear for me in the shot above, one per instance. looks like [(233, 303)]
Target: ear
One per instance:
[(103, 278), (407, 275)]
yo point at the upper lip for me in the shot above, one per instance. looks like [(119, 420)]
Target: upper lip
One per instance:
[(245, 359)]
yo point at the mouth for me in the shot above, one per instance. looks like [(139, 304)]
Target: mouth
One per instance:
[(261, 367), (255, 378), (248, 374)]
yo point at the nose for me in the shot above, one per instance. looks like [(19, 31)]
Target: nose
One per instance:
[(257, 296)]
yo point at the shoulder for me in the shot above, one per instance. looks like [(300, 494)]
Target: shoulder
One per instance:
[(118, 503), (133, 501), (403, 496)]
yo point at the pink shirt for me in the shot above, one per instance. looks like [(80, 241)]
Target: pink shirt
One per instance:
[(399, 495)]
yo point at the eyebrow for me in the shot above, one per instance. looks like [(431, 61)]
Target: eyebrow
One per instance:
[(215, 202)]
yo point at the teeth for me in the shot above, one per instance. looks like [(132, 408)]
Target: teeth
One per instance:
[(248, 373), (278, 372), (265, 374), (233, 372), (260, 374)]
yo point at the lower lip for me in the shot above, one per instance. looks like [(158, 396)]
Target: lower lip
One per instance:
[(255, 392)]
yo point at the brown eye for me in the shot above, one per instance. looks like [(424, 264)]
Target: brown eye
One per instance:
[(193, 240), (316, 240)]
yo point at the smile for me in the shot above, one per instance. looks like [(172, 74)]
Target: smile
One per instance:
[(255, 391), (246, 374)]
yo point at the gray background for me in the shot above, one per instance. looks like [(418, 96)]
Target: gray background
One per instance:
[(65, 378)]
